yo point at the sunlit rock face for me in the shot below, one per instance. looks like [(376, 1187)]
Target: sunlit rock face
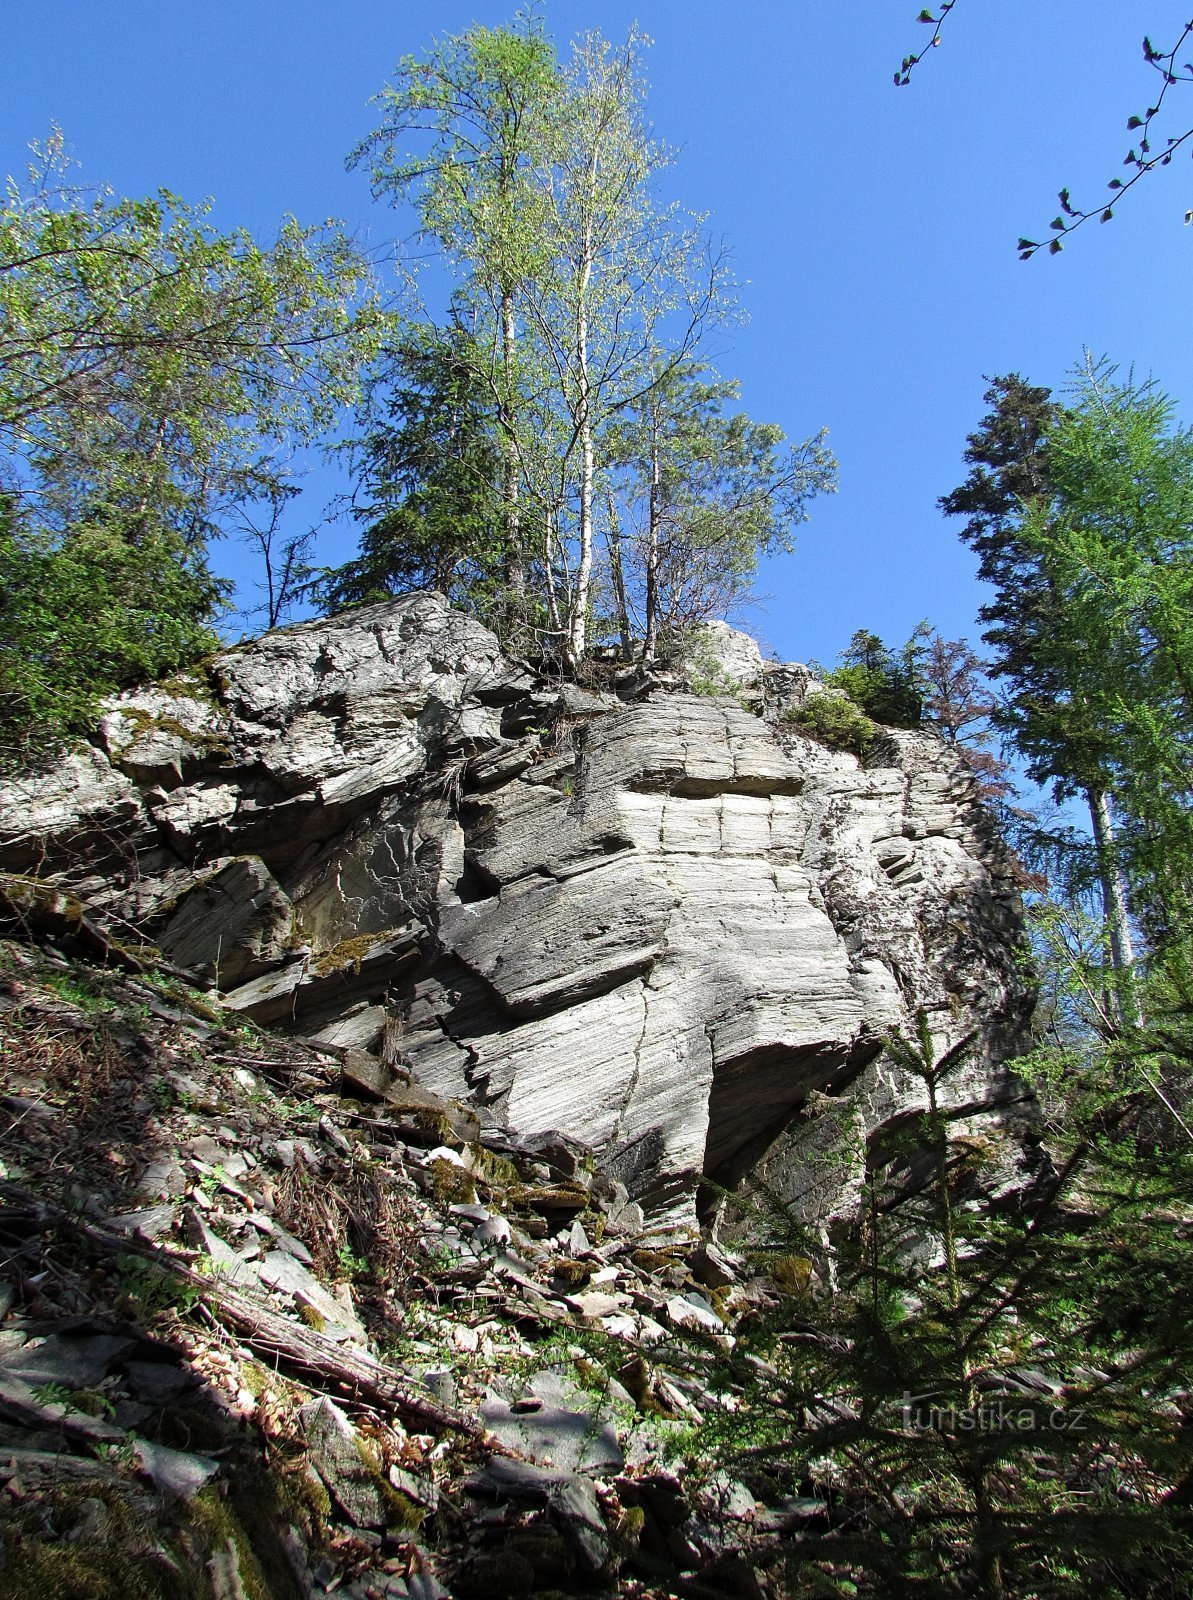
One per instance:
[(657, 921)]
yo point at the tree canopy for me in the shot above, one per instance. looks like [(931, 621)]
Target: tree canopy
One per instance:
[(151, 368), (581, 302)]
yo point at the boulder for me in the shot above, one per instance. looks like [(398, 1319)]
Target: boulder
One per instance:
[(663, 926), (230, 926)]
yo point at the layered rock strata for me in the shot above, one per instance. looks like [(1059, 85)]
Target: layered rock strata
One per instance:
[(669, 925)]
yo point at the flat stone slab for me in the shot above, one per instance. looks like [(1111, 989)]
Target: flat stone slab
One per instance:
[(281, 1271), (551, 1436), (339, 1457), (71, 1361), (572, 1500)]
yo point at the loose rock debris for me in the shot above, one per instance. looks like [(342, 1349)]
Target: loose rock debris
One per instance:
[(265, 1333)]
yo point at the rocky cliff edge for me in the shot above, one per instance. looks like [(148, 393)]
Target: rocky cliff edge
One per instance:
[(669, 925)]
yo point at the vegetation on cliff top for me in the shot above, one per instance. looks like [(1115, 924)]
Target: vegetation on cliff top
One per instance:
[(557, 454)]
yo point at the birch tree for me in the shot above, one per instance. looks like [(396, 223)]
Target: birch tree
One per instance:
[(461, 138), (633, 285), (707, 492)]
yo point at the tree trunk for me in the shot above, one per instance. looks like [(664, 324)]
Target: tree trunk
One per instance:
[(583, 417), (579, 619), (553, 618), (623, 613), (514, 565), (654, 519), (1114, 905)]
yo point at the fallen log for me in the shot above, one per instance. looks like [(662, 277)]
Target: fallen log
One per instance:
[(348, 1370)]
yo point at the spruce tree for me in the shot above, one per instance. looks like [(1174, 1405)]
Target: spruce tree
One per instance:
[(430, 475), (1055, 730)]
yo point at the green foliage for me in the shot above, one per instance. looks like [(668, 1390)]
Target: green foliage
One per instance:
[(705, 493), (1011, 476), (1069, 1297), (835, 720), (1080, 514), (429, 493), (149, 366), (87, 616), (881, 682), (151, 1289), (93, 1541), (873, 686), (74, 988), (1116, 544), (704, 673), (462, 138), (568, 382), (991, 1400), (144, 357)]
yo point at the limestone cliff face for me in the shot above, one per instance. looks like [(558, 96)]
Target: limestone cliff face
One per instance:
[(653, 920)]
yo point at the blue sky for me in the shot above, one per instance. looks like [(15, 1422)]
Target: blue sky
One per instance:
[(875, 226)]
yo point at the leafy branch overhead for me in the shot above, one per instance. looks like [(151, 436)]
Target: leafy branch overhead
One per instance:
[(1143, 156), (153, 374), (910, 62)]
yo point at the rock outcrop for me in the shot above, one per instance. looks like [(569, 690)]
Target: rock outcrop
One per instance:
[(665, 924)]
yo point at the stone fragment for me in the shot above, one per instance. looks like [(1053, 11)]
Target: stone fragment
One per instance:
[(596, 1304), (422, 1584), (724, 1497), (627, 1218), (620, 1325), (231, 925), (549, 1198), (564, 1156), (292, 1246), (156, 1383), (163, 1178), (206, 1149), (225, 1262), (691, 1311), (330, 1316), (71, 1361), (419, 1489), (572, 1441), (790, 1514), (288, 1151), (344, 1462), (493, 1232), (571, 1498), (174, 1472), (711, 1266), (148, 1223), (441, 1382), (361, 1072)]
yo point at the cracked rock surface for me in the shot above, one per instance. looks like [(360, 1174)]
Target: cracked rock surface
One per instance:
[(664, 924)]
